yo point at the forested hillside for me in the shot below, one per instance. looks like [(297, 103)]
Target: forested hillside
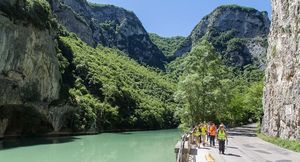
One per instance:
[(167, 45), (61, 72), (113, 90)]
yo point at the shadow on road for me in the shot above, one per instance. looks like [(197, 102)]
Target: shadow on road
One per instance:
[(235, 155), (242, 134), (262, 151), (250, 126), (243, 131), (232, 147)]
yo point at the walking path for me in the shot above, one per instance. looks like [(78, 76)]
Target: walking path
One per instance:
[(244, 146)]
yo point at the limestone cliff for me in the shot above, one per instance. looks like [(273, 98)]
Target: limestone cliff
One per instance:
[(282, 90), (110, 26), (233, 26), (29, 71)]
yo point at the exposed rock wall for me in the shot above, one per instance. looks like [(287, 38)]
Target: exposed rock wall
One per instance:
[(56, 114), (282, 90), (3, 125), (29, 69), (233, 21), (110, 26), (28, 65)]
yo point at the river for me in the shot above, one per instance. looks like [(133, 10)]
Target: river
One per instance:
[(144, 146)]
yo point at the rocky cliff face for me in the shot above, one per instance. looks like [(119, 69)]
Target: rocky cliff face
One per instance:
[(248, 26), (282, 91), (29, 71), (110, 26)]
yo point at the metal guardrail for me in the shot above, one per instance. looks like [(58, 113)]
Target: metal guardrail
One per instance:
[(182, 155), (179, 157), (180, 151)]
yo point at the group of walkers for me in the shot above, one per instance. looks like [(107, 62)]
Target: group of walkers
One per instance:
[(209, 132)]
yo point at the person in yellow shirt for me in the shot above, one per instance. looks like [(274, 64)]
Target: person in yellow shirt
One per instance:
[(196, 134), (203, 133), (222, 137)]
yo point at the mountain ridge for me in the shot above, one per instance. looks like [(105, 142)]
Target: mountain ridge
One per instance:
[(110, 26), (228, 22)]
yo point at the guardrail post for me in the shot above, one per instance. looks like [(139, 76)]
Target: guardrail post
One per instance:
[(183, 147)]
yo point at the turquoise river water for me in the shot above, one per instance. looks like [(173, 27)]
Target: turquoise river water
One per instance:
[(144, 146)]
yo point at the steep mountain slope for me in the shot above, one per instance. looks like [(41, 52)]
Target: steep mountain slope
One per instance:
[(113, 91), (281, 95), (110, 26), (238, 33), (52, 82), (167, 45)]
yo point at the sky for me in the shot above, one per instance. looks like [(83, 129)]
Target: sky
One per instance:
[(178, 17)]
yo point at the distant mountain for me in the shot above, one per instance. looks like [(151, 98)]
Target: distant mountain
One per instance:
[(110, 26), (168, 45), (238, 33)]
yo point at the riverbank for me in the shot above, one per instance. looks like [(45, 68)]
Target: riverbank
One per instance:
[(65, 134)]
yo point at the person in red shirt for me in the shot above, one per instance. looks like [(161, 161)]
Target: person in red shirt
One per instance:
[(212, 134)]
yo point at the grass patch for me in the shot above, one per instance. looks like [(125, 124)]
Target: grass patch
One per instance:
[(293, 145)]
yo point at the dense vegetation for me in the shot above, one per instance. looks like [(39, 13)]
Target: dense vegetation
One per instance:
[(113, 90), (167, 45), (211, 91), (36, 11), (116, 92)]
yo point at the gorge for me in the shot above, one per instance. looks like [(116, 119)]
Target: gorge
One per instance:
[(73, 67)]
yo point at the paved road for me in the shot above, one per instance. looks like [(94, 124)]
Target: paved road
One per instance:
[(244, 146)]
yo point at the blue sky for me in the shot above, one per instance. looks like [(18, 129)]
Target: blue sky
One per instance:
[(177, 17)]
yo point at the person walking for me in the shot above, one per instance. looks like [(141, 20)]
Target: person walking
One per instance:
[(207, 131), (212, 134), (203, 133), (196, 134), (222, 137)]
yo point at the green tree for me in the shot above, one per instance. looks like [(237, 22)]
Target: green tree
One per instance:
[(200, 90)]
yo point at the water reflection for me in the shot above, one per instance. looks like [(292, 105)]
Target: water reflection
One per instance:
[(149, 146), (24, 142)]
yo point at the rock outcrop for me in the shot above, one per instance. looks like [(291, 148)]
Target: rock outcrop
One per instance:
[(29, 69), (282, 90), (28, 65), (228, 22), (110, 26)]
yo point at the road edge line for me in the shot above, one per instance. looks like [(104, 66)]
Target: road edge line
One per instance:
[(209, 157)]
